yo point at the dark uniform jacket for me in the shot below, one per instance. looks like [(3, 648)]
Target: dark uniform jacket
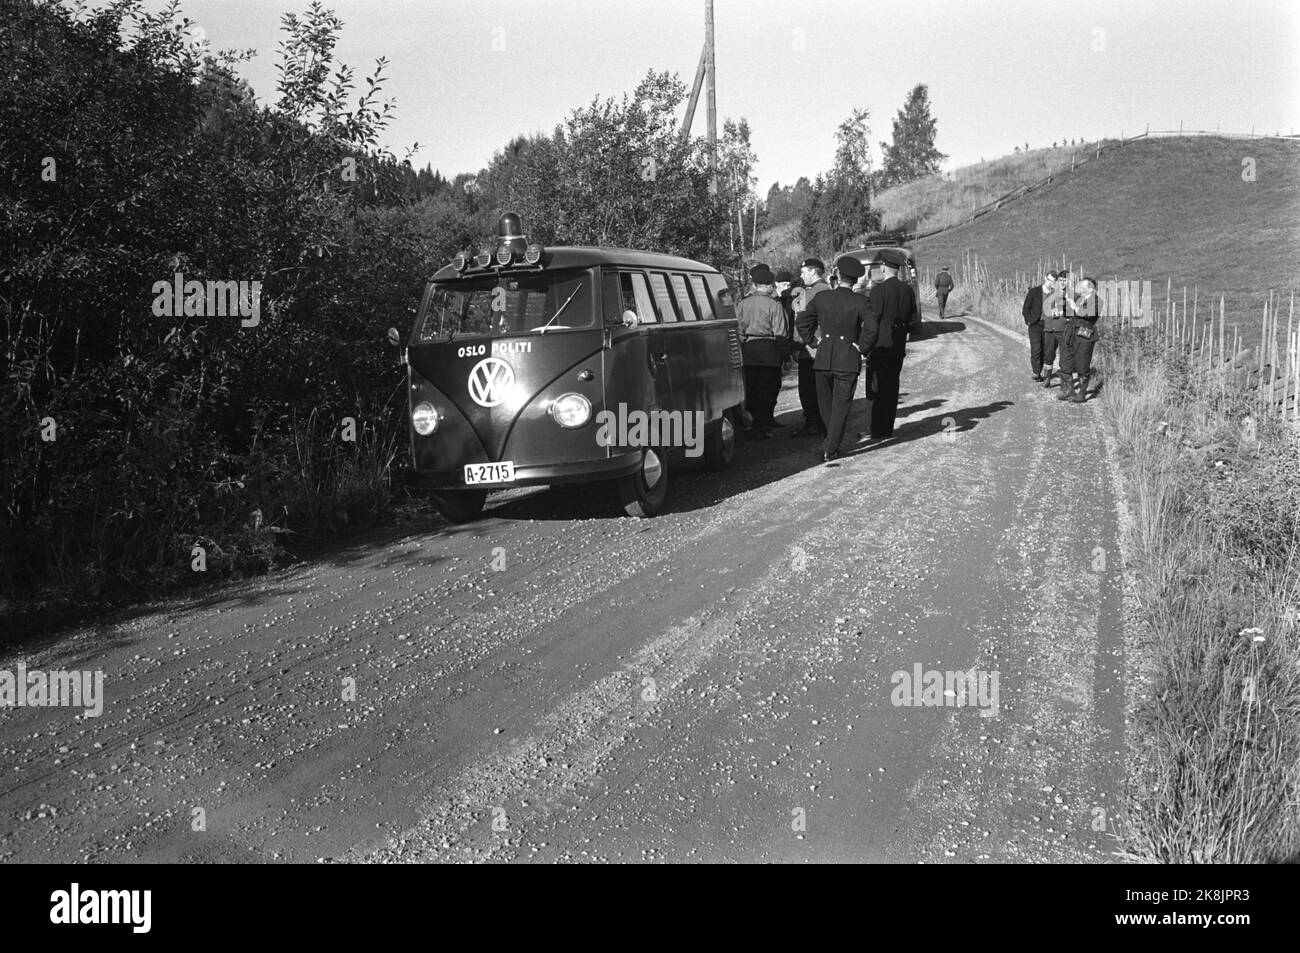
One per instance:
[(1032, 310), (892, 303), (943, 283), (841, 316)]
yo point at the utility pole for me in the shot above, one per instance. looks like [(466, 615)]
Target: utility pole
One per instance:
[(711, 91)]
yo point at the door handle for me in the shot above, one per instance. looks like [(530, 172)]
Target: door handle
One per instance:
[(662, 358)]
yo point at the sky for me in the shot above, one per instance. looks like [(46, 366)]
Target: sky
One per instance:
[(468, 76)]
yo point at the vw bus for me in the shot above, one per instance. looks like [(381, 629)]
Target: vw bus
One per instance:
[(869, 255), (530, 365)]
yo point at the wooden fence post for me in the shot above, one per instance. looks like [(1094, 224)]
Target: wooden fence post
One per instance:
[(1286, 373)]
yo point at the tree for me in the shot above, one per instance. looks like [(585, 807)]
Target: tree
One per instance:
[(736, 174), (135, 157), (787, 203), (616, 173), (841, 201), (913, 154)]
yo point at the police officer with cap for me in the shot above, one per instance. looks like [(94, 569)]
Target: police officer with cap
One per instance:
[(884, 342), (942, 288), (839, 318)]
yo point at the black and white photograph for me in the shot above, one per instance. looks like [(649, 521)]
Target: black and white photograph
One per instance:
[(730, 432)]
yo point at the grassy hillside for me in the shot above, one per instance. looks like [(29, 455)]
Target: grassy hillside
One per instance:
[(938, 201), (1158, 209)]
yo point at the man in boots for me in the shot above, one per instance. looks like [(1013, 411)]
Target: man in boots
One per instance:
[(1081, 334)]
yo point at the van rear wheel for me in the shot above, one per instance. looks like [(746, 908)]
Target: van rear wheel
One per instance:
[(643, 492), (720, 445), (460, 506)]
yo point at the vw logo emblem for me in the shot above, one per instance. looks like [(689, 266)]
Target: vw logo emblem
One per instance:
[(491, 381)]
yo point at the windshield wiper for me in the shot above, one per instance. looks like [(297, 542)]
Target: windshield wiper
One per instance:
[(562, 307)]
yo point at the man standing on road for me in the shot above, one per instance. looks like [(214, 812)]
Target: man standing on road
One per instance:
[(841, 316), (942, 288), (1032, 310), (1054, 327), (1079, 338), (812, 273), (884, 343), (763, 334), (1053, 323)]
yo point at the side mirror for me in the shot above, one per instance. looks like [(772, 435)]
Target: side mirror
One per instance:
[(394, 338)]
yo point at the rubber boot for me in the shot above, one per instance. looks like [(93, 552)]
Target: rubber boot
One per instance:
[(1047, 375), (1081, 391), (1067, 389)]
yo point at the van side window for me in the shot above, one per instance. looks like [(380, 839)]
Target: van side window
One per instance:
[(660, 287), (635, 297), (726, 308), (701, 297), (684, 304)]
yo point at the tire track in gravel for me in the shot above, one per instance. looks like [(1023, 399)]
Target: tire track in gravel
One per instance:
[(769, 604), (635, 800)]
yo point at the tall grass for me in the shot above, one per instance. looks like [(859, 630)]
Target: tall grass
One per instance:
[(332, 484), (1214, 497)]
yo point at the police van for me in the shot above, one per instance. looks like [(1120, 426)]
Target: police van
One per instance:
[(530, 365), (869, 255)]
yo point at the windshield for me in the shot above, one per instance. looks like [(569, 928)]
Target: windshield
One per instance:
[(493, 306)]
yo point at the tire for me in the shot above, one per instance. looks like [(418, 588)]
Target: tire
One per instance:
[(460, 506), (720, 445), (643, 493)]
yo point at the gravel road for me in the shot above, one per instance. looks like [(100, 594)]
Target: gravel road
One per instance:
[(560, 683)]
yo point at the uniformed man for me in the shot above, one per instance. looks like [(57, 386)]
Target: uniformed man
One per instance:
[(813, 275), (884, 342), (1079, 338), (837, 320), (763, 334), (942, 288)]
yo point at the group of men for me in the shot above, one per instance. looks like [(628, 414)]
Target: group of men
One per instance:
[(1061, 319), (832, 333)]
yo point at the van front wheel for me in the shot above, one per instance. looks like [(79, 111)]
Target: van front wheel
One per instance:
[(720, 445), (460, 506), (643, 492)]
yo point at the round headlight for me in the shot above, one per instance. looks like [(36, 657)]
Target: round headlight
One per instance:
[(460, 261), (504, 254), (424, 418), (571, 410), (484, 257), (533, 253)]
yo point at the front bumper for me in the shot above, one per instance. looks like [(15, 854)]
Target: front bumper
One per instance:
[(583, 471)]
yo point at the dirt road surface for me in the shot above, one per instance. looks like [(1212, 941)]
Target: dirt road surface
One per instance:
[(558, 682)]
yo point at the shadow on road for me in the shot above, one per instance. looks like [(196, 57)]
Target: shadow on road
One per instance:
[(757, 464), (952, 422), (934, 328)]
